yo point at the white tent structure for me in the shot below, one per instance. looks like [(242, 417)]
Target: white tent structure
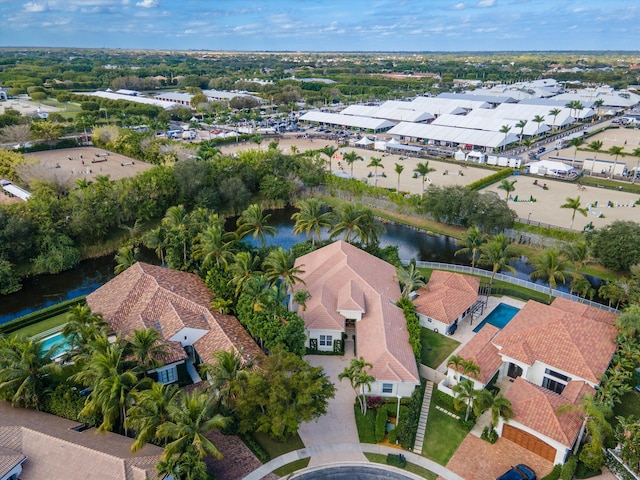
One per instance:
[(459, 155), (549, 167), (364, 141)]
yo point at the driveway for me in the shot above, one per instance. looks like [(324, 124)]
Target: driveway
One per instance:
[(338, 425)]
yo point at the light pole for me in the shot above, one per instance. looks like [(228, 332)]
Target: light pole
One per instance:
[(398, 411), (529, 219)]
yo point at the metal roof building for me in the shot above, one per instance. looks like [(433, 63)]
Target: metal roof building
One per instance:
[(129, 98), (390, 111), (350, 121)]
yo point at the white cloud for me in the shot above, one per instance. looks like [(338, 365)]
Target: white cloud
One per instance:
[(34, 7), (459, 6), (147, 3), (486, 3)]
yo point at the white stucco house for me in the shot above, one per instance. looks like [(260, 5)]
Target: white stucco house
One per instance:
[(554, 355), (353, 292)]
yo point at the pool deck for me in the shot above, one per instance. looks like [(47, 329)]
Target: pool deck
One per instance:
[(465, 332)]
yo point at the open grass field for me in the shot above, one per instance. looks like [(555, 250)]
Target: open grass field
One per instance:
[(43, 326), (435, 348), (442, 437)]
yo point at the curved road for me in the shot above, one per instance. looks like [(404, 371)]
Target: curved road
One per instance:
[(351, 447)]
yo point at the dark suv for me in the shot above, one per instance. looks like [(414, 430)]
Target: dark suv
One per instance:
[(519, 472)]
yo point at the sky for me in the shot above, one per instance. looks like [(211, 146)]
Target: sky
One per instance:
[(324, 25)]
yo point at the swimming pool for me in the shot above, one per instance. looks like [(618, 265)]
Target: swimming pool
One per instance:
[(58, 340), (499, 317)]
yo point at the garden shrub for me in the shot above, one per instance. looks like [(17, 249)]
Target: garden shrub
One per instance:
[(491, 179), (490, 436), (255, 447), (553, 474), (444, 400), (569, 468), (582, 471), (67, 402), (381, 424), (374, 402), (396, 460), (410, 417), (393, 435)]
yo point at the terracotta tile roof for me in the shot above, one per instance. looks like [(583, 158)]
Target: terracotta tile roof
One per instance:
[(175, 353), (148, 296), (483, 352), (8, 460), (342, 273), (558, 337), (447, 296), (537, 408), (582, 310), (54, 450)]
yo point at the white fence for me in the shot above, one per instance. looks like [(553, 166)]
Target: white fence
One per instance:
[(512, 280)]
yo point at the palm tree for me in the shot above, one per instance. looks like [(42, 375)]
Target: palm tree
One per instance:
[(360, 380), (500, 408), (578, 253), (410, 278), (157, 239), (554, 112), (508, 187), (521, 124), (227, 369), (125, 258), (146, 348), (151, 409), (574, 204), (597, 104), (351, 158), (177, 219), (280, 265), (191, 417), (497, 252), (465, 394), (422, 169), (575, 142), (82, 328), (594, 147), (27, 372), (551, 267), (300, 297), (538, 119), (471, 368), (214, 247), (349, 217), (615, 151), (311, 218), (398, 169), (470, 243), (629, 321), (375, 162), (505, 129), (253, 222), (370, 228), (242, 269), (455, 362), (329, 151)]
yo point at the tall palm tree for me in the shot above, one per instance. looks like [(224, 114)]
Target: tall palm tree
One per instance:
[(375, 163), (615, 151), (349, 218), (578, 253), (125, 258), (329, 151), (574, 204), (597, 104), (224, 373), (471, 368), (191, 417), (311, 218), (554, 112), (214, 247), (465, 394), (551, 267), (280, 265), (398, 169), (151, 409), (470, 243), (370, 228), (629, 321), (351, 158), (575, 143), (521, 124), (505, 129), (27, 372), (146, 348), (538, 119), (500, 408), (595, 147), (157, 239), (422, 169), (242, 269), (176, 219), (410, 278), (508, 186), (82, 328), (253, 222), (497, 252), (456, 362), (360, 379)]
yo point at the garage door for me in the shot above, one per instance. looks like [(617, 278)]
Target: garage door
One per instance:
[(529, 442)]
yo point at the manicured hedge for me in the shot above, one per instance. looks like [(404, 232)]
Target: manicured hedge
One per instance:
[(569, 468), (491, 179), (39, 315), (553, 474), (409, 419)]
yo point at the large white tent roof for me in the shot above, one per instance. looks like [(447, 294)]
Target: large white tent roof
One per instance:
[(353, 121), (130, 98), (388, 112), (489, 122), (481, 138)]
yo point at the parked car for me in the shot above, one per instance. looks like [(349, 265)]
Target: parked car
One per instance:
[(519, 472)]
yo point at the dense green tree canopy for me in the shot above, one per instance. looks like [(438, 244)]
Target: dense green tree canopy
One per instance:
[(617, 246)]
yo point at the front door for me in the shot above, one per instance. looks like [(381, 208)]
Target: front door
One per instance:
[(514, 371)]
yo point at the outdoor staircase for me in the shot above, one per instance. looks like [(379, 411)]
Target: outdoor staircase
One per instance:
[(424, 414)]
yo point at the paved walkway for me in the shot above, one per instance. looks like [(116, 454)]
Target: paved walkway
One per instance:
[(331, 450), (424, 416)]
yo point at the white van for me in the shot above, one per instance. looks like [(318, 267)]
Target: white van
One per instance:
[(188, 135)]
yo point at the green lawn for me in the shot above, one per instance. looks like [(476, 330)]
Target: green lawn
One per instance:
[(275, 449), (435, 348), (366, 425), (442, 437), (630, 405), (411, 467), (44, 325)]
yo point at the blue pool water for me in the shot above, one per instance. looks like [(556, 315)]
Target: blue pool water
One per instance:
[(499, 317), (57, 340)]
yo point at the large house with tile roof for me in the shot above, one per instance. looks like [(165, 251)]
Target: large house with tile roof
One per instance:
[(446, 300), (40, 446), (177, 305), (352, 291), (554, 355)]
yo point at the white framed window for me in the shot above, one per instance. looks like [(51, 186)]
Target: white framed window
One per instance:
[(326, 341), (169, 375), (387, 388)]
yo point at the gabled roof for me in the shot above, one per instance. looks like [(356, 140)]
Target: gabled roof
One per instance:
[(341, 275), (447, 296), (571, 337), (148, 296), (483, 352), (537, 408), (54, 450), (9, 460)]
